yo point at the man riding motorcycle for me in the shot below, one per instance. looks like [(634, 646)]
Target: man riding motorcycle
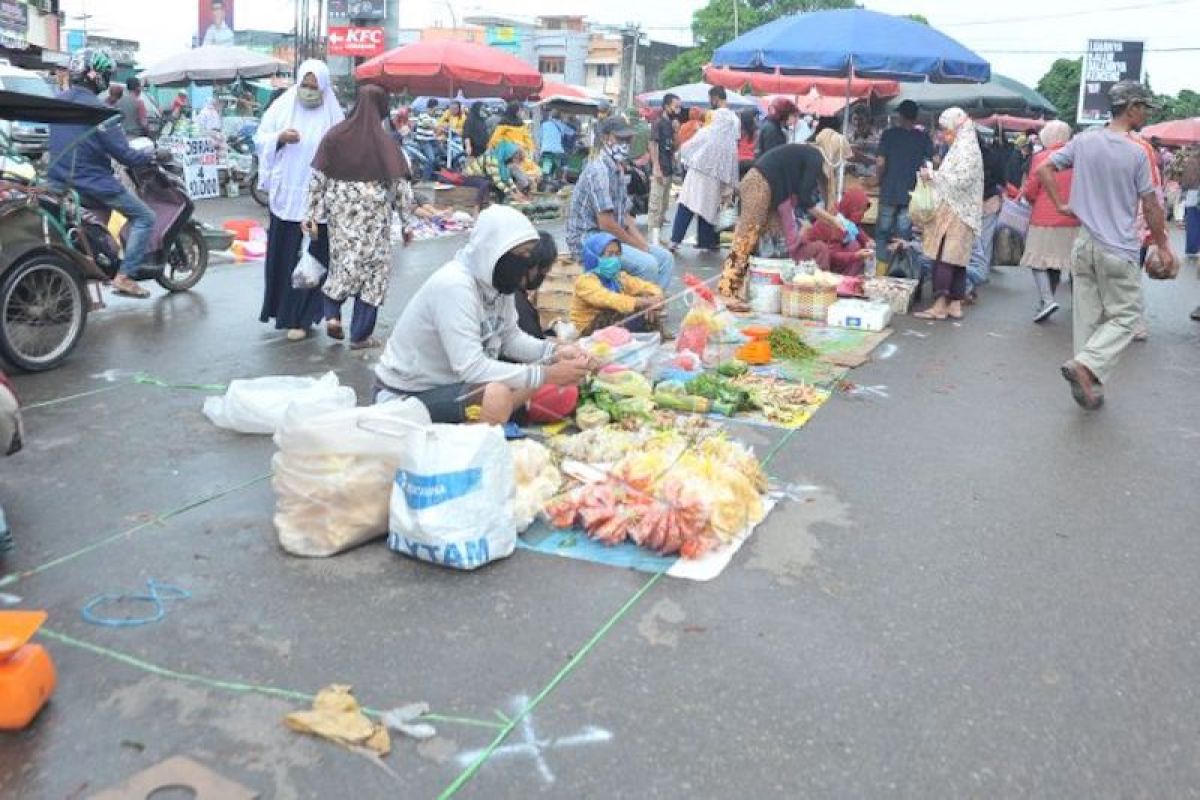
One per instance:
[(81, 157)]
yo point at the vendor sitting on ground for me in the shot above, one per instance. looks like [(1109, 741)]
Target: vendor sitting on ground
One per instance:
[(849, 250), (605, 295), (601, 204), (448, 346), (501, 165)]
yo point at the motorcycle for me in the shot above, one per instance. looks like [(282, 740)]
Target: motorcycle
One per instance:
[(243, 161), (58, 250), (10, 443)]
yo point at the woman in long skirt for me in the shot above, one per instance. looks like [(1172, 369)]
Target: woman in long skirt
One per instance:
[(958, 188), (358, 177), (711, 158), (287, 140)]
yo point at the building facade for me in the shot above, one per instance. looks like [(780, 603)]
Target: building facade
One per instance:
[(30, 34)]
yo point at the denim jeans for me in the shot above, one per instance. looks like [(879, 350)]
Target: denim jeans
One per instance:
[(656, 266), (141, 226), (429, 151), (980, 265), (893, 223), (1191, 221)]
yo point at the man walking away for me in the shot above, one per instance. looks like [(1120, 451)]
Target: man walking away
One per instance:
[(902, 151), (1112, 175), (993, 183), (662, 160), (133, 110), (1189, 183)]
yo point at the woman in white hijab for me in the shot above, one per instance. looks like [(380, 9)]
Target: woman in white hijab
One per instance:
[(712, 174), (287, 141), (958, 191)]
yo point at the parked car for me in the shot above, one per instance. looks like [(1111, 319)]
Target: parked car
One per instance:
[(30, 139)]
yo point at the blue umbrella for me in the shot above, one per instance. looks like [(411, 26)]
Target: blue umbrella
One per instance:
[(854, 42)]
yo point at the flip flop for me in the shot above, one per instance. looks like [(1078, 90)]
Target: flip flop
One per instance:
[(927, 314), (366, 344), (133, 291)]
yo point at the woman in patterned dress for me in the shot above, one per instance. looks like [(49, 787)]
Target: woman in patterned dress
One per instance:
[(359, 176)]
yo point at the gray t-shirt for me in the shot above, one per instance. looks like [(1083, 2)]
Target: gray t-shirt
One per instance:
[(1112, 173)]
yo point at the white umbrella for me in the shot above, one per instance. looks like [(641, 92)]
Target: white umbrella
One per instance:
[(212, 63)]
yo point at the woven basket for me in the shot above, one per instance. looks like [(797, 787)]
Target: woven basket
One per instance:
[(808, 303)]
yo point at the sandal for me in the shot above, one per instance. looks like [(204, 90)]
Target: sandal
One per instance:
[(369, 343), (928, 314), (334, 329), (735, 305), (128, 288)]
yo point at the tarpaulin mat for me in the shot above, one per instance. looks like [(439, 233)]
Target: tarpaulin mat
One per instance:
[(575, 543)]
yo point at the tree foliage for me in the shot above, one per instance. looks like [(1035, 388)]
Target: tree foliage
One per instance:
[(712, 26), (1061, 86)]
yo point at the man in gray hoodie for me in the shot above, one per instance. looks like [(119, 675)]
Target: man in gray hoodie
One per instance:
[(457, 347)]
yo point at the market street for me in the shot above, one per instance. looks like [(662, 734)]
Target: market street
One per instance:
[(974, 589)]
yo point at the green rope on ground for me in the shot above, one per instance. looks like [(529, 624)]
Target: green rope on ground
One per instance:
[(149, 380), (161, 518), (59, 400), (465, 776), (228, 686)]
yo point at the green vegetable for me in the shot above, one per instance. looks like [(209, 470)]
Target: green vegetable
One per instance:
[(719, 389), (589, 416), (787, 344), (631, 407), (733, 369)]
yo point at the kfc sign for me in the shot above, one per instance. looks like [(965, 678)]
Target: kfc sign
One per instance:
[(350, 41)]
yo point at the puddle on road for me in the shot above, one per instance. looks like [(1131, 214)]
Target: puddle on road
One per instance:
[(659, 625), (785, 546), (252, 723)]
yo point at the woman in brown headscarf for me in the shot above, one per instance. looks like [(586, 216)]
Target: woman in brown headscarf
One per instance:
[(359, 176)]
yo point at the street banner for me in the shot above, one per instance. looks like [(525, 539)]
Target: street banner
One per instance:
[(1107, 61), (347, 40), (215, 24), (358, 9)]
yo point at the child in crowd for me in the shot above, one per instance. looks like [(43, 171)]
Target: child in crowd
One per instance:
[(605, 295), (849, 250)]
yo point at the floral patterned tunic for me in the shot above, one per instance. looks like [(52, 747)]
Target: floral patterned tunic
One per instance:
[(360, 241)]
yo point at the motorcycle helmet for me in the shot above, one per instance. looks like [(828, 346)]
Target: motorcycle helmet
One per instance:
[(91, 68)]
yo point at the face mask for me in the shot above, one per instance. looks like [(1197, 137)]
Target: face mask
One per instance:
[(608, 267), (509, 273), (619, 152), (310, 98)]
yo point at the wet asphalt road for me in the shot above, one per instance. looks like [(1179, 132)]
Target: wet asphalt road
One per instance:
[(982, 592)]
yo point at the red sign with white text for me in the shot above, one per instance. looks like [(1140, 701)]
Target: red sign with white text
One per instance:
[(346, 40)]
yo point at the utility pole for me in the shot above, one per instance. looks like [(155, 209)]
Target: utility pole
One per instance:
[(637, 39), (736, 3)]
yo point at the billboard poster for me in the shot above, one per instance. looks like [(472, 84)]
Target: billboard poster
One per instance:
[(215, 25), (1106, 62), (357, 9)]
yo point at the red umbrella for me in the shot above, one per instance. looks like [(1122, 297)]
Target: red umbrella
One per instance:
[(447, 68), (552, 89), (1177, 132), (1009, 123), (778, 83)]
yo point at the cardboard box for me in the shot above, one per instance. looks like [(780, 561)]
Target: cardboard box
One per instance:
[(860, 314)]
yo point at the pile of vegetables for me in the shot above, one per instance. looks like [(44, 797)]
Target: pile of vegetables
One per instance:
[(787, 344), (670, 495), (615, 394), (720, 389)]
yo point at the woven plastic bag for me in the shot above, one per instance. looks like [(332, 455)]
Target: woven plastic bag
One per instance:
[(333, 475)]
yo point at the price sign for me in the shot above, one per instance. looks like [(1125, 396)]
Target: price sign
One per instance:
[(202, 180)]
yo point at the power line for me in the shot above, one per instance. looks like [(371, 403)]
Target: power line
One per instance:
[(1067, 14), (1080, 52)]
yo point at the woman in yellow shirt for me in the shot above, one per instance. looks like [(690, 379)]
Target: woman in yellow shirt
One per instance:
[(453, 119), (512, 128), (605, 295)]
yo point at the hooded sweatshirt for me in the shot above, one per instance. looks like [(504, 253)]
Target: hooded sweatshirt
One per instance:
[(457, 327)]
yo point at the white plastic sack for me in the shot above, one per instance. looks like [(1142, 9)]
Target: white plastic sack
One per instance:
[(728, 218), (258, 405), (453, 498), (309, 271), (333, 475)]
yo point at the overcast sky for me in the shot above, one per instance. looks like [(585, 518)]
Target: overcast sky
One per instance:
[(1003, 32)]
